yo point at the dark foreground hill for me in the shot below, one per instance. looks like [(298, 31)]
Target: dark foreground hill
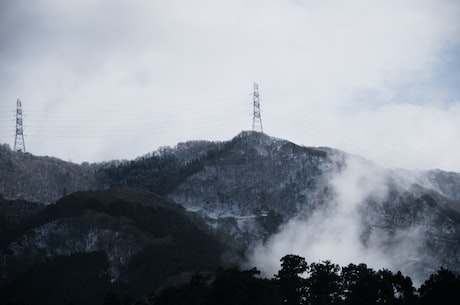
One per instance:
[(90, 243)]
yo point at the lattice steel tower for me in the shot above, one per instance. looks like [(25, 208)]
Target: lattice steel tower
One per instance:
[(256, 118), (19, 145)]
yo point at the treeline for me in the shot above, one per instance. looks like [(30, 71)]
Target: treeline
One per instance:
[(314, 284), (13, 212), (296, 283), (157, 174)]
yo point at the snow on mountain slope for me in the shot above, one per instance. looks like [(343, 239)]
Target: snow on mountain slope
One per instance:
[(275, 197), (374, 216), (254, 183), (142, 236), (271, 197), (41, 179)]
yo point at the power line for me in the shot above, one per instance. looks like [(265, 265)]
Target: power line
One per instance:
[(94, 124), (118, 116)]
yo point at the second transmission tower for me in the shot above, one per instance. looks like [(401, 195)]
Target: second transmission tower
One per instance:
[(19, 145), (256, 118)]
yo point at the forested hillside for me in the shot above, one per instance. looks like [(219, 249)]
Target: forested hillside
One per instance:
[(91, 242), (134, 226)]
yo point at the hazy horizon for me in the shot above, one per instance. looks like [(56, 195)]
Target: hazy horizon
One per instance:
[(113, 80)]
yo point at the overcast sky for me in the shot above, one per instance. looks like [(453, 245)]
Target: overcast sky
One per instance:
[(113, 79)]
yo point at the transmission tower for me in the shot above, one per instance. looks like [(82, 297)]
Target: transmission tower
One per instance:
[(19, 145), (256, 118)]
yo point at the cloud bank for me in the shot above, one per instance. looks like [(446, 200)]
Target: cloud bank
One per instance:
[(111, 79), (335, 231)]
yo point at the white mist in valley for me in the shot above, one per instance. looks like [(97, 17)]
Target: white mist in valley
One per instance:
[(335, 230)]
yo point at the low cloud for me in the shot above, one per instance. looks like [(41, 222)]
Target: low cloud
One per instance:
[(335, 231), (323, 68)]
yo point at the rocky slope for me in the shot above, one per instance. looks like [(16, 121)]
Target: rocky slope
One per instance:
[(256, 191)]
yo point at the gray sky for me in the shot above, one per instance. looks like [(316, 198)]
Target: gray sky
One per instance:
[(113, 79)]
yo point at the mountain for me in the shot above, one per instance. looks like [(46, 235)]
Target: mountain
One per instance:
[(41, 179), (254, 183), (13, 212), (256, 194), (124, 239), (262, 190)]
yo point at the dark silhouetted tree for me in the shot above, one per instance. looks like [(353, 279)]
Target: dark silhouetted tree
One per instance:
[(360, 285), (289, 279), (442, 287), (112, 298), (403, 289), (324, 284), (232, 286), (194, 293)]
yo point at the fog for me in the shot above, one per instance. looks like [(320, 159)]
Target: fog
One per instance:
[(334, 231), (114, 79)]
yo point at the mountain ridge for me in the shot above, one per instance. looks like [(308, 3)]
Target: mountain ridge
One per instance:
[(254, 191)]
